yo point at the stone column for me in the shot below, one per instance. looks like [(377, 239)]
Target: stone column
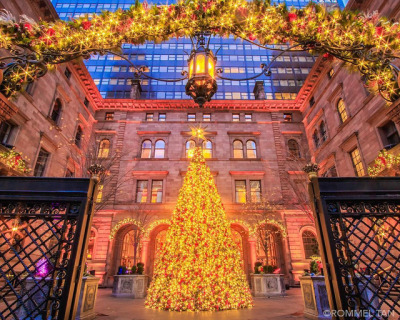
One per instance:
[(253, 252), (259, 91), (145, 254), (136, 89)]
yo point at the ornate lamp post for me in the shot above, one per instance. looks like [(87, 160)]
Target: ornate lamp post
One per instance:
[(201, 85)]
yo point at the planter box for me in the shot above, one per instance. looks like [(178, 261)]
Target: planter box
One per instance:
[(315, 297), (267, 285), (316, 301), (35, 296), (87, 298), (35, 292), (131, 286)]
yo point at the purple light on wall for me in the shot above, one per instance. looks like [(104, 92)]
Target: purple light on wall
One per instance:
[(42, 268)]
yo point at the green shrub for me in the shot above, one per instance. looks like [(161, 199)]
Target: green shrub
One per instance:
[(314, 267), (257, 266), (140, 267)]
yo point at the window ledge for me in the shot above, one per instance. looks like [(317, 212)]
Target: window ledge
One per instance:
[(151, 159), (245, 159), (295, 159), (207, 159), (149, 203)]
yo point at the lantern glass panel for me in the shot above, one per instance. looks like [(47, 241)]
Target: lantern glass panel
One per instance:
[(191, 67), (211, 67), (200, 63)]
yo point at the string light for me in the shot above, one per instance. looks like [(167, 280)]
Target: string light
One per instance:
[(365, 42), (199, 267)]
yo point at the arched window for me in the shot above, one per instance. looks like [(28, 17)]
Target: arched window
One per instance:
[(238, 149), (146, 149), (207, 149), (104, 148), (56, 112), (90, 249), (316, 138), (159, 151), (322, 131), (190, 145), (310, 244), (294, 149), (341, 108), (251, 149), (78, 136)]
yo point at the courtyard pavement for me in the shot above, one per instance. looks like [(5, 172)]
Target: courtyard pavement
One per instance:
[(288, 307)]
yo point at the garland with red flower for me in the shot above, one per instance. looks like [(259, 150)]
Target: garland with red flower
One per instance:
[(13, 160), (385, 160), (364, 42)]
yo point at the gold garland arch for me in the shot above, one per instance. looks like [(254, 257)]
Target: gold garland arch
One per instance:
[(365, 42)]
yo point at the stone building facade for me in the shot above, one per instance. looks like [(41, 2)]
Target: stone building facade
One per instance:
[(255, 149), (248, 152), (49, 122), (346, 125)]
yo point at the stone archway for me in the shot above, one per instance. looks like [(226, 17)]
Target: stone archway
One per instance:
[(239, 233), (272, 251), (155, 237), (118, 247)]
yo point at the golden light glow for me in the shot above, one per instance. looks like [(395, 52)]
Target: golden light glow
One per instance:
[(211, 67), (273, 24), (191, 68), (200, 63), (199, 266), (198, 132)]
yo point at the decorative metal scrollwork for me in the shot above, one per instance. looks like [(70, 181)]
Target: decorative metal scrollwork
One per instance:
[(365, 237)]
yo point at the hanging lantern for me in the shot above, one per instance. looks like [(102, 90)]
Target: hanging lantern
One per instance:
[(201, 85)]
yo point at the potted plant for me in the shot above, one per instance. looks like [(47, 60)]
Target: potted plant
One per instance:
[(267, 281), (130, 283), (313, 288)]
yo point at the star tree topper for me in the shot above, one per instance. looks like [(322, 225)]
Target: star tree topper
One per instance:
[(198, 132)]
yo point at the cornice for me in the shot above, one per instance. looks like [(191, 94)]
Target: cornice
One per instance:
[(45, 10)]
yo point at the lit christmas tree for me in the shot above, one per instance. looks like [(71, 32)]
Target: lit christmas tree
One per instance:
[(199, 266)]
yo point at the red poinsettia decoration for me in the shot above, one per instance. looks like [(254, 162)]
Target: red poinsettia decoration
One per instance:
[(252, 37), (86, 25), (50, 32), (379, 31), (28, 27), (292, 17), (328, 56)]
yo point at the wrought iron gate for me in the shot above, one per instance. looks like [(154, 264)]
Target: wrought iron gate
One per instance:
[(358, 222), (44, 227)]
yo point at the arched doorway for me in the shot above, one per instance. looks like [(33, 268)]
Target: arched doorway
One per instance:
[(270, 246), (126, 248), (157, 239), (240, 238)]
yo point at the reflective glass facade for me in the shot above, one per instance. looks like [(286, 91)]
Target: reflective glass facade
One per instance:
[(238, 60)]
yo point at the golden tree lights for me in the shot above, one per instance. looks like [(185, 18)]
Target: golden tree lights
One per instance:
[(365, 42), (199, 266)]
